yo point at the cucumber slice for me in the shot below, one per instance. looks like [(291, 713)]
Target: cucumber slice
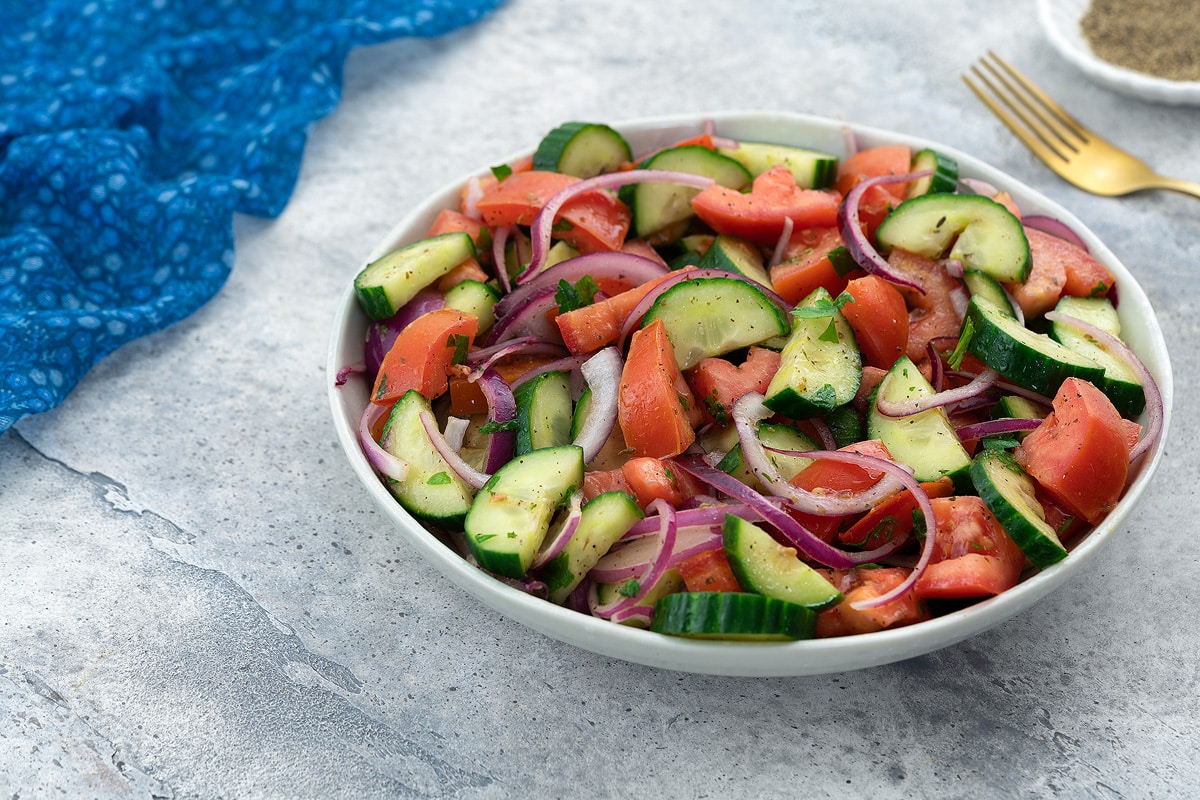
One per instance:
[(1121, 384), (474, 297), (670, 583), (511, 514), (733, 615), (544, 412), (431, 490), (980, 283), (1012, 406), (582, 149), (713, 316), (763, 565), (820, 367), (973, 229), (735, 255), (812, 169), (604, 520), (777, 435), (1008, 492), (386, 284), (925, 441), (657, 205), (944, 178), (1028, 359)]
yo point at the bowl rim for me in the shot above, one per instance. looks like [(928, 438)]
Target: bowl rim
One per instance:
[(1060, 21), (808, 657)]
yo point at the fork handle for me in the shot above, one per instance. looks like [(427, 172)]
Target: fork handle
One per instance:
[(1185, 187)]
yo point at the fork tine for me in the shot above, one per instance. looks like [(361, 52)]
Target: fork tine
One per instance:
[(1027, 133), (1063, 116), (1046, 127)]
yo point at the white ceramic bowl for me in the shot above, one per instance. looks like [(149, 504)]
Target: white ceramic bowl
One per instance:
[(1139, 327), (1060, 19)]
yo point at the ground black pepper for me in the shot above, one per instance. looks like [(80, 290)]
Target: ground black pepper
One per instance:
[(1157, 37)]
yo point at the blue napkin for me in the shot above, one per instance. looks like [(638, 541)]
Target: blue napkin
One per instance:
[(130, 132)]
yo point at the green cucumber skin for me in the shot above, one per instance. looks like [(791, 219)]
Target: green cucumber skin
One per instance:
[(1119, 383), (739, 310), (1030, 360), (925, 441), (544, 412), (973, 229), (785, 394), (734, 255), (605, 519), (732, 615), (655, 206), (763, 566), (812, 169), (445, 501), (980, 283), (944, 178), (387, 283), (511, 514), (1036, 539), (582, 149)]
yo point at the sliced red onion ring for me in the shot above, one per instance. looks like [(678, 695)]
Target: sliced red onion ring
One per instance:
[(748, 411), (784, 238), (543, 224), (603, 375), (347, 372), (937, 377), (995, 427), (499, 245), (486, 357), (824, 433), (456, 431), (502, 413), (703, 517), (562, 533), (812, 547), (850, 140), (1154, 398), (1054, 227), (615, 264), (566, 364), (857, 244), (977, 186), (470, 476), (533, 318), (979, 384), (632, 559), (384, 462), (474, 192), (665, 546)]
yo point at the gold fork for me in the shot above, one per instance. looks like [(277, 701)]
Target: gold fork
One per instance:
[(1059, 140)]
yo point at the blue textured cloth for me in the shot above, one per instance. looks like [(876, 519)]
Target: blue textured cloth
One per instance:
[(130, 132)]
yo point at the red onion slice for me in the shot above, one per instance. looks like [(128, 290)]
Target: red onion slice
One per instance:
[(1054, 227), (566, 364), (384, 462), (977, 186), (502, 414), (799, 537), (1154, 398), (784, 238), (543, 224), (469, 475), (533, 318), (474, 192), (381, 334), (857, 244), (665, 542), (996, 427), (633, 558), (978, 385), (349, 371), (748, 411), (562, 533), (499, 245), (603, 375), (616, 264), (486, 357)]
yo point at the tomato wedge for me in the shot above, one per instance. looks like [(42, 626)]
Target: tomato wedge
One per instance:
[(807, 265), (1047, 275), (834, 477), (760, 215), (973, 556), (591, 221), (587, 329), (1080, 452), (422, 354), (879, 318), (649, 479), (717, 383), (708, 571), (653, 399), (863, 584), (931, 315), (872, 162)]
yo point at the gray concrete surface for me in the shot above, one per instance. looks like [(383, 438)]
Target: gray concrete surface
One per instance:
[(197, 601)]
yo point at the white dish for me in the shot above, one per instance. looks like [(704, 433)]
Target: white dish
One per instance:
[(1061, 18), (1139, 325)]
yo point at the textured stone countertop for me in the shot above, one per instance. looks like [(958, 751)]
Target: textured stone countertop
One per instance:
[(199, 601)]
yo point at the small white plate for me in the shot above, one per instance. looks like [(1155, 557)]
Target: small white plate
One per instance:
[(1139, 327), (1061, 19)]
